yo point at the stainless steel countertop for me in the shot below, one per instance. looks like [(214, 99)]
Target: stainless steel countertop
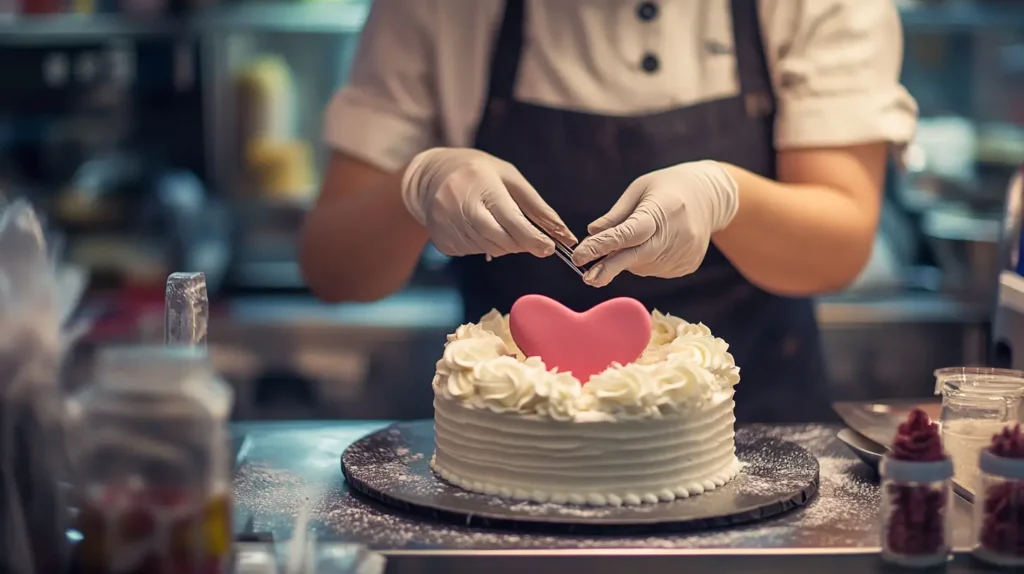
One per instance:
[(292, 469)]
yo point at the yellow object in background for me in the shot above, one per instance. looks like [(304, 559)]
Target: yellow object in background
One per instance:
[(274, 163), (266, 96), (281, 169), (83, 6)]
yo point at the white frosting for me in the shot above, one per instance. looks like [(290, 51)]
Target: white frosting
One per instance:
[(598, 463), (654, 430), (682, 368)]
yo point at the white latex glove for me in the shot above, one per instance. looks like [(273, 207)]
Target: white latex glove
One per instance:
[(662, 224), (472, 202)]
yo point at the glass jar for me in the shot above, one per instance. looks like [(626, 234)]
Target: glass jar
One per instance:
[(977, 403), (153, 464), (915, 511), (999, 511)]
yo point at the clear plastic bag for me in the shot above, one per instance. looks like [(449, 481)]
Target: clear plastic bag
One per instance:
[(36, 300)]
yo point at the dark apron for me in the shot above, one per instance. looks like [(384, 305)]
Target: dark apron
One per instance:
[(581, 163)]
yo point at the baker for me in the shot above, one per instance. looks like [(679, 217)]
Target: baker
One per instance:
[(719, 160)]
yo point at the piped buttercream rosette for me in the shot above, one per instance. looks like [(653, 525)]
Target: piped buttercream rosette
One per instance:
[(683, 369)]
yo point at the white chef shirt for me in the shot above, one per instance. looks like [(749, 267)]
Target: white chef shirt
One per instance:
[(420, 77)]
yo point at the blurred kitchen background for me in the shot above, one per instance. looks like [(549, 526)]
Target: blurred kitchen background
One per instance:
[(163, 135)]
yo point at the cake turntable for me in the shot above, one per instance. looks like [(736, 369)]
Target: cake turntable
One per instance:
[(393, 466)]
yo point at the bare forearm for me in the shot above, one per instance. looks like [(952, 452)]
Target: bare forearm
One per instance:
[(797, 239), (362, 246)]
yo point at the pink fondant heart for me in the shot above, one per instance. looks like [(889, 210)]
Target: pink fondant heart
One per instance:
[(616, 331)]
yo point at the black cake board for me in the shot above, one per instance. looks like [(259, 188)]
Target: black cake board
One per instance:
[(393, 466)]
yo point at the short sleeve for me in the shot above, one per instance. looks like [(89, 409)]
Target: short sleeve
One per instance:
[(387, 112), (836, 67)]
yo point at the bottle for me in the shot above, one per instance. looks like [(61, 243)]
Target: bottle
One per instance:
[(153, 464), (999, 501), (916, 496), (977, 402)]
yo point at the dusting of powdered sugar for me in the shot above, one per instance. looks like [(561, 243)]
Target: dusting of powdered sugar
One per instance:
[(395, 465), (843, 514), (272, 497)]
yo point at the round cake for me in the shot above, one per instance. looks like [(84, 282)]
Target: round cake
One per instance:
[(657, 429)]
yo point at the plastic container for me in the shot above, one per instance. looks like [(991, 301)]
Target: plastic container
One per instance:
[(999, 510), (977, 402), (153, 464), (916, 498)]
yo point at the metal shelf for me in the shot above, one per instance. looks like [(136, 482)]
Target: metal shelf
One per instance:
[(348, 17), (64, 28), (337, 17), (963, 17)]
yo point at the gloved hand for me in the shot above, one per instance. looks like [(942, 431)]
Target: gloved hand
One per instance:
[(662, 224), (472, 202)]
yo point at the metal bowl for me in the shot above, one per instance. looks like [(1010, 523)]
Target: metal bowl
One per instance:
[(966, 246)]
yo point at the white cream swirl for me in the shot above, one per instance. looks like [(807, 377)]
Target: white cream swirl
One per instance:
[(682, 386), (663, 328), (682, 369), (503, 384), (497, 323), (562, 392), (626, 391)]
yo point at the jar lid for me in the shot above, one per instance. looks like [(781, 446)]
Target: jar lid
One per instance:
[(914, 471), (986, 382), (1001, 466), (145, 367)]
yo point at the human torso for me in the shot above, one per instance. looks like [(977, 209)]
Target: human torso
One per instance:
[(580, 162)]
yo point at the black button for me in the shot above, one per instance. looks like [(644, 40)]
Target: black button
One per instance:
[(650, 63), (647, 11)]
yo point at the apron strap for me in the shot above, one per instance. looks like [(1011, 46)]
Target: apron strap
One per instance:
[(507, 50), (751, 61)]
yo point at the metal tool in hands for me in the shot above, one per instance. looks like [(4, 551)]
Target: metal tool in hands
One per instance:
[(565, 254)]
